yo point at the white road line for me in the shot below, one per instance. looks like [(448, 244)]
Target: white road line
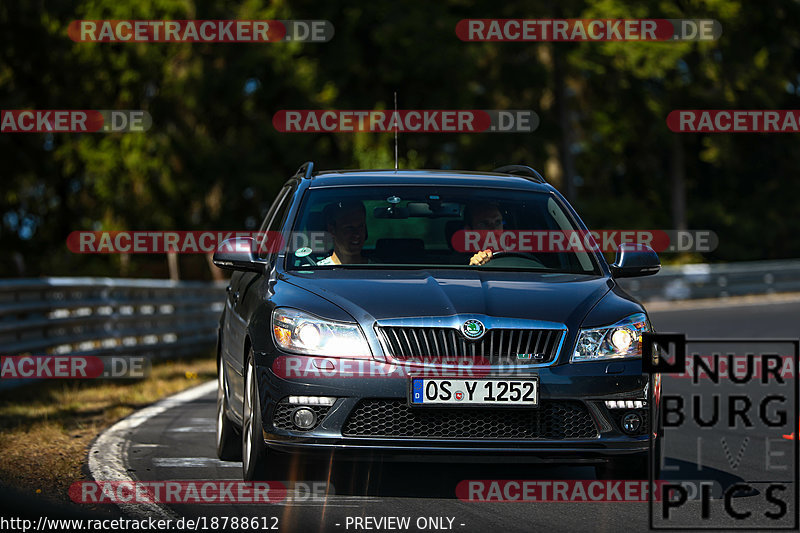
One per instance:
[(194, 429), (108, 456), (193, 462)]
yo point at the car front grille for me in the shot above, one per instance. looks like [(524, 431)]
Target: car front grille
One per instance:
[(552, 420), (497, 347)]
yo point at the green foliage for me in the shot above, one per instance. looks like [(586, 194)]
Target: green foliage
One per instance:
[(212, 158)]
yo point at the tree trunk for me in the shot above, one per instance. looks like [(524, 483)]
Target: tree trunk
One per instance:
[(678, 184), (172, 262), (565, 125)]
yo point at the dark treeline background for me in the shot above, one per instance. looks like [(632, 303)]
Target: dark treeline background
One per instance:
[(213, 160)]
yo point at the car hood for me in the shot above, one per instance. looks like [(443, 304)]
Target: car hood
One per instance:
[(369, 294)]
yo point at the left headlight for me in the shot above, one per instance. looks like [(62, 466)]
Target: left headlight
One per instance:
[(299, 332), (622, 340)]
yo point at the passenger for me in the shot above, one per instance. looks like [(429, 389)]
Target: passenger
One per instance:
[(347, 222)]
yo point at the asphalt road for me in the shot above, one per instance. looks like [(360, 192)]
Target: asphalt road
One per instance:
[(178, 444)]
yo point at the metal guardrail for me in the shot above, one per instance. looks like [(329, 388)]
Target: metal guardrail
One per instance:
[(160, 319), (716, 280), (104, 316)]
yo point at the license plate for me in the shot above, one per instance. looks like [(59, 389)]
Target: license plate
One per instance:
[(480, 392)]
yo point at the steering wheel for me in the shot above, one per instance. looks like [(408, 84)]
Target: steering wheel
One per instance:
[(523, 255), (502, 256)]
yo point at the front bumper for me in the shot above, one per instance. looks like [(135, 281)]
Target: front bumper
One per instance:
[(587, 431)]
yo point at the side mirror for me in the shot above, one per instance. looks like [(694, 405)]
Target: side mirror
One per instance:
[(635, 260), (238, 254)]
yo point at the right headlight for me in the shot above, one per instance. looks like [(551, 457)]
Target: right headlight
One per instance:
[(299, 332), (622, 340)]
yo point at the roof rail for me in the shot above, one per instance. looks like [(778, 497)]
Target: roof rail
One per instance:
[(521, 170), (306, 169)]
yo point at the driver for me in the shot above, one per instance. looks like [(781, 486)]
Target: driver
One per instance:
[(347, 222), (483, 216)]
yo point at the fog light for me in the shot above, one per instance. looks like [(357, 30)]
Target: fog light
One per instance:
[(631, 423), (304, 418)]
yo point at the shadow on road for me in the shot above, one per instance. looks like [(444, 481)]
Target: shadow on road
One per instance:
[(437, 480)]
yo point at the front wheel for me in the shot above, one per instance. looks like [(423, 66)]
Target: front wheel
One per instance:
[(254, 452)]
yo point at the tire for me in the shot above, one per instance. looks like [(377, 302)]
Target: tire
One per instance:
[(254, 451), (229, 439)]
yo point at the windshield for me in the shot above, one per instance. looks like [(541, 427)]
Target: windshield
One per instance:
[(433, 227)]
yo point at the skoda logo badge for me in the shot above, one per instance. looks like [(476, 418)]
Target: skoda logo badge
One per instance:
[(473, 329)]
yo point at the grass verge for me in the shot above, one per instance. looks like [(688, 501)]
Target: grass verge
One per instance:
[(46, 427)]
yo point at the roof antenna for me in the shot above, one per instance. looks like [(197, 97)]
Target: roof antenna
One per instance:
[(396, 116)]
